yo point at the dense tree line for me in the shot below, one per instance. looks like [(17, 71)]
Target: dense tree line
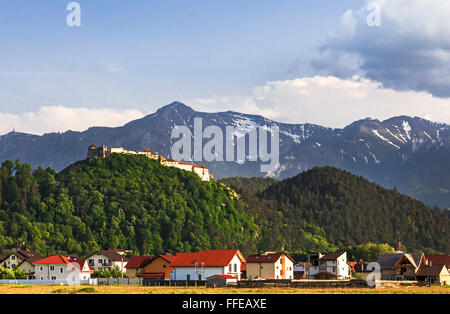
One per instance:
[(353, 211), (135, 203), (122, 201)]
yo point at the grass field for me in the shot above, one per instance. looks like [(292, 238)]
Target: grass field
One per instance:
[(54, 289)]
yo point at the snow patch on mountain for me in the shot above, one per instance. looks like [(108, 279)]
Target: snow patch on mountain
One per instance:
[(384, 139)]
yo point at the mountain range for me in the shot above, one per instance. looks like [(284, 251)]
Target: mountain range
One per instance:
[(410, 154)]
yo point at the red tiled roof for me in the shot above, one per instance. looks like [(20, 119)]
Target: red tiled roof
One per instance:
[(168, 257), (61, 259), (438, 259), (139, 261), (205, 258)]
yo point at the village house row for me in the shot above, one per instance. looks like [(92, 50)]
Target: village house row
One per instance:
[(226, 266)]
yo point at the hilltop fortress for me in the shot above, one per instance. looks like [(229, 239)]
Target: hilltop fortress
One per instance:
[(95, 151)]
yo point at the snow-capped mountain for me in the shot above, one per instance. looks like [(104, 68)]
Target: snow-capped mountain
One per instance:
[(410, 153)]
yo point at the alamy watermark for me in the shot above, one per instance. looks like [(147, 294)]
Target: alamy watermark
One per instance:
[(374, 17), (74, 17), (235, 146)]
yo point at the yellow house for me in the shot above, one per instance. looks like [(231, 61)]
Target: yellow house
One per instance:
[(270, 265)]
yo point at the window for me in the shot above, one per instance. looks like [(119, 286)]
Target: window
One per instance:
[(235, 268), (61, 270), (52, 268), (100, 261), (188, 277), (53, 277), (200, 277), (230, 268), (13, 257), (91, 262), (41, 268)]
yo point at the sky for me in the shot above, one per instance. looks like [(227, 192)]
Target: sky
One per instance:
[(300, 61)]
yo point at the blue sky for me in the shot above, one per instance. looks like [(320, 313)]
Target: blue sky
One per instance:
[(213, 54)]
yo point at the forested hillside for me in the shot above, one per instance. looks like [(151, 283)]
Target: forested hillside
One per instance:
[(353, 210), (123, 201), (135, 203)]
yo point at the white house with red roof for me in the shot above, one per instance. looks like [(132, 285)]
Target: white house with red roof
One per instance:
[(207, 263), (62, 268)]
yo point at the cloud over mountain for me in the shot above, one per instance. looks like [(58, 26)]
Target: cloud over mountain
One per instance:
[(409, 51), (58, 119)]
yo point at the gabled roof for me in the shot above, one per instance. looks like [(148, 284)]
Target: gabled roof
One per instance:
[(63, 260), (24, 255), (139, 261), (438, 259), (114, 255), (331, 256), (206, 258), (268, 257), (429, 271), (388, 260), (168, 257)]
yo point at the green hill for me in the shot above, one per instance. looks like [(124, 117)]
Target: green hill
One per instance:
[(353, 211), (135, 203), (122, 201)]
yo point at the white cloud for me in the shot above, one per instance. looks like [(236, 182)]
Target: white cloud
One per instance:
[(333, 102), (409, 51), (59, 119)]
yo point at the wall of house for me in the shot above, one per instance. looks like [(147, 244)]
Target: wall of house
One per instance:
[(159, 265), (109, 265), (59, 272), (181, 273), (11, 261), (271, 270), (131, 272), (26, 266)]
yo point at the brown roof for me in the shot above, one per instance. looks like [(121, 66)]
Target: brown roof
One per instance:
[(438, 259), (271, 257), (429, 271), (331, 256), (138, 261), (24, 255), (113, 255)]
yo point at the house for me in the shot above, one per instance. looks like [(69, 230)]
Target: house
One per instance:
[(414, 266), (436, 259), (62, 267), (270, 265), (136, 265), (433, 274), (22, 260), (329, 266), (400, 266), (108, 260), (158, 268), (221, 280), (301, 269), (206, 263)]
